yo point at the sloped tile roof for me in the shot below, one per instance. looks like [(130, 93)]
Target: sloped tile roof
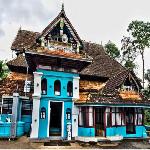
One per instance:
[(24, 40), (115, 82), (102, 66), (112, 100), (14, 83), (67, 21), (19, 61)]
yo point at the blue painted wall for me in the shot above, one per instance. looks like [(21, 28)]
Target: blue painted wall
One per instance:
[(51, 77), (140, 132), (4, 116), (5, 129), (27, 119), (67, 104), (43, 123), (87, 132)]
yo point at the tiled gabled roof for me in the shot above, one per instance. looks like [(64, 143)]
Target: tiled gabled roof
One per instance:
[(102, 66), (14, 83), (24, 40), (67, 22), (18, 62), (115, 82), (113, 100)]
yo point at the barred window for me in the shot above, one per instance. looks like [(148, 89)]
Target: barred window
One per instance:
[(26, 108), (7, 105), (115, 117), (57, 88), (138, 116), (70, 89), (86, 118), (44, 86)]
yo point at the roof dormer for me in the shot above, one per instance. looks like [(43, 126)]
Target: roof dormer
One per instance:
[(60, 35)]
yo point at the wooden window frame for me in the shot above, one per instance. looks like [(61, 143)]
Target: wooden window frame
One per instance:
[(44, 79), (70, 92), (56, 87), (9, 104), (139, 113), (26, 111), (86, 122), (115, 112)]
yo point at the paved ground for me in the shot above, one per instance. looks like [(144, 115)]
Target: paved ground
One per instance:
[(24, 143)]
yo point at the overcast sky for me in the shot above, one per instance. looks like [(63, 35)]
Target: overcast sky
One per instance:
[(95, 20)]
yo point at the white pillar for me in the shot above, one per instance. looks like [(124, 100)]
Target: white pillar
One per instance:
[(76, 87), (75, 113), (37, 83), (14, 114), (36, 105), (35, 118)]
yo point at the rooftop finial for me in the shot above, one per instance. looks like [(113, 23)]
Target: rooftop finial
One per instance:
[(62, 7)]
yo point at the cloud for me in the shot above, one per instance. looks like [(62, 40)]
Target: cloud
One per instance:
[(24, 11), (2, 33)]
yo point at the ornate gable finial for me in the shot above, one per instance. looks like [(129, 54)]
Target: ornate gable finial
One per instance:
[(62, 7)]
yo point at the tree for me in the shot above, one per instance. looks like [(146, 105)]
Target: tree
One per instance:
[(129, 53), (112, 50), (3, 70), (140, 32), (146, 91)]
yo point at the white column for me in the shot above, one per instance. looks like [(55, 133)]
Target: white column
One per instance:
[(35, 118), (36, 105), (14, 114), (75, 113), (76, 87), (37, 83)]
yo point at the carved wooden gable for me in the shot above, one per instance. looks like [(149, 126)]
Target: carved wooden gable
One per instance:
[(61, 35)]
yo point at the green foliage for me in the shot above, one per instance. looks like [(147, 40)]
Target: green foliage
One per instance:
[(147, 76), (129, 53), (112, 50), (140, 32), (147, 117), (130, 64), (3, 70), (146, 91)]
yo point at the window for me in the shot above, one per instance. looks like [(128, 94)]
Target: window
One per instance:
[(115, 117), (70, 89), (108, 117), (7, 105), (26, 108), (86, 116), (82, 116), (44, 86), (0, 105), (68, 114), (43, 113), (138, 116), (57, 88)]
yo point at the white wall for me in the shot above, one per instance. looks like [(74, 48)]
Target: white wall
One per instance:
[(75, 113), (36, 105), (35, 118), (37, 83), (76, 87)]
